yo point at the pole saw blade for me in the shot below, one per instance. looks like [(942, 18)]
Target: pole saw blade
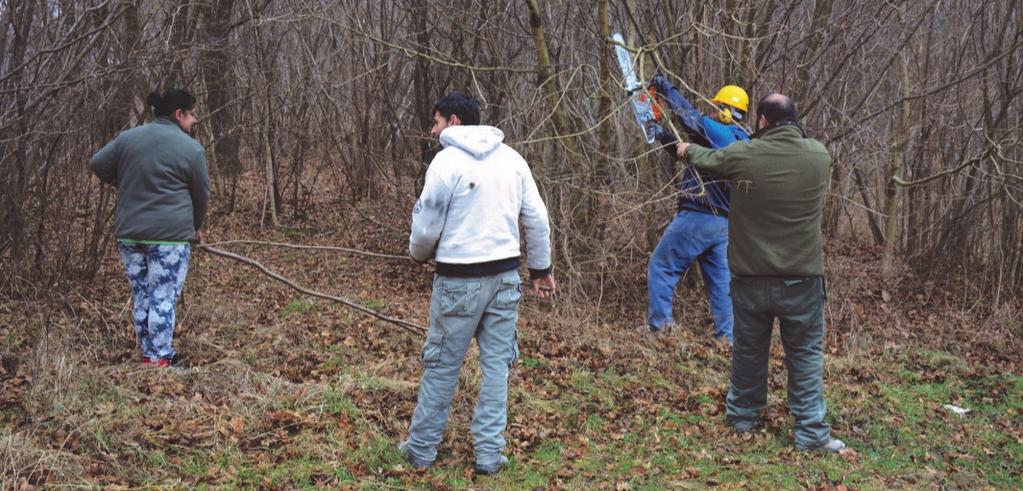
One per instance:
[(642, 108)]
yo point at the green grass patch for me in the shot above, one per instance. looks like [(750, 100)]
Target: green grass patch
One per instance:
[(300, 306), (345, 476), (550, 451), (334, 363), (299, 232), (375, 303), (337, 403), (530, 362), (379, 451), (594, 423)]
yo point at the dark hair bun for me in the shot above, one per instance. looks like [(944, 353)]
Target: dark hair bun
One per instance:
[(171, 100)]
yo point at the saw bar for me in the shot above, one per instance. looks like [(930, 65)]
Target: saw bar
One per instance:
[(642, 108)]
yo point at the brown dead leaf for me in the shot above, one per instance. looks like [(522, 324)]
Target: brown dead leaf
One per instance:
[(237, 424), (849, 455)]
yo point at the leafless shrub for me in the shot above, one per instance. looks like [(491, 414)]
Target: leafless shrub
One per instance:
[(914, 99)]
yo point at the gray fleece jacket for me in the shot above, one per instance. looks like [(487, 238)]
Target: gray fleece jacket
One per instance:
[(163, 187)]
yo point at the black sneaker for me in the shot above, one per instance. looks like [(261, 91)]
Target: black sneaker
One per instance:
[(746, 427), (180, 364), (412, 460), (491, 469), (176, 363)]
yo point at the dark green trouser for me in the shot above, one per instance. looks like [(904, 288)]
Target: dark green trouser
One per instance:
[(798, 303)]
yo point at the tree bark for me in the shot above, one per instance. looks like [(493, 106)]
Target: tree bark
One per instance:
[(549, 82), (217, 66), (893, 191)]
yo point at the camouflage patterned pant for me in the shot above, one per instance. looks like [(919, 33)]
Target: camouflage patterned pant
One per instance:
[(157, 274)]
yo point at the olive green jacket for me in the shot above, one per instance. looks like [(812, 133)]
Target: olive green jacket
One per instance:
[(778, 185)]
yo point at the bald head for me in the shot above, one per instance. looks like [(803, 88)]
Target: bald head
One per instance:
[(776, 108)]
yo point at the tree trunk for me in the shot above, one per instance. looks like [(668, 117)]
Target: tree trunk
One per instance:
[(893, 192), (216, 62), (271, 178), (817, 41), (21, 20), (550, 84), (421, 83), (607, 85)]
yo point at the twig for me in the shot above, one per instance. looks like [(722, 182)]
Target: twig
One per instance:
[(983, 155), (407, 326), (310, 247)]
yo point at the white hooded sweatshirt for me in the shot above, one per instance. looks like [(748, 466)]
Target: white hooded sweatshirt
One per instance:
[(477, 190)]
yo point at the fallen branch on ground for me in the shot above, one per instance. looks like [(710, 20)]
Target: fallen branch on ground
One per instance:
[(309, 247), (407, 326)]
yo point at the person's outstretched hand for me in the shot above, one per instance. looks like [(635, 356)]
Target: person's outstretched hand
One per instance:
[(682, 150), (544, 287)]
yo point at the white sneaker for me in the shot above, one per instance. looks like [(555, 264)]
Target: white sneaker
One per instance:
[(646, 330)]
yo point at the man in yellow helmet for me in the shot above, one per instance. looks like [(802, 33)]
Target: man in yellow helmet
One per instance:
[(699, 231)]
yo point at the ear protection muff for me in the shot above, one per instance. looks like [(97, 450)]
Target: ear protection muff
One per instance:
[(728, 115), (725, 115)]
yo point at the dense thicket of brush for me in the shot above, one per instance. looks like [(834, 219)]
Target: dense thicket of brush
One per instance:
[(917, 92)]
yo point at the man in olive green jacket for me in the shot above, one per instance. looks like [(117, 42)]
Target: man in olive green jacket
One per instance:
[(775, 252)]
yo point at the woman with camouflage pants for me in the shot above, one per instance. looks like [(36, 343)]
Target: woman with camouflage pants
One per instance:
[(162, 196)]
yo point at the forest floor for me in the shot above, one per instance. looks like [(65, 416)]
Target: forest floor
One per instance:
[(288, 391)]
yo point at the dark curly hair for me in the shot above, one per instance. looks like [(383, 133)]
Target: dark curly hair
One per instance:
[(461, 105)]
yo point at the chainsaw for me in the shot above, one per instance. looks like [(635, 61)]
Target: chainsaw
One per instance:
[(643, 106)]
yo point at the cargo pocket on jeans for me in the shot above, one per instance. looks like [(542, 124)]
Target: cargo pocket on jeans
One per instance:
[(515, 349), (433, 348), (510, 292)]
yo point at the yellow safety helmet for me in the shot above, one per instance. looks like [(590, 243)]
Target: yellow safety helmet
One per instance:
[(732, 96)]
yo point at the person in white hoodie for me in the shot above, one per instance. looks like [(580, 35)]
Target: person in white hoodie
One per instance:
[(477, 191)]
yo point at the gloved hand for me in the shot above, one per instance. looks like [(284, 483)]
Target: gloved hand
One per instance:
[(658, 82)]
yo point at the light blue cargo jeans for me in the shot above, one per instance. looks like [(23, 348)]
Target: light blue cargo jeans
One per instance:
[(485, 308)]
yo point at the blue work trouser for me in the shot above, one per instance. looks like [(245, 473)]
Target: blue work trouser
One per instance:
[(485, 308), (157, 275), (798, 303), (692, 235)]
